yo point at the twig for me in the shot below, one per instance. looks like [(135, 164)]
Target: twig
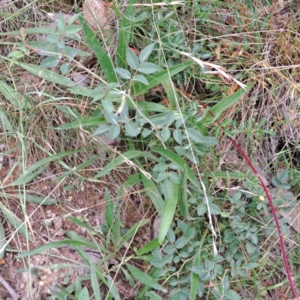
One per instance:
[(12, 292)]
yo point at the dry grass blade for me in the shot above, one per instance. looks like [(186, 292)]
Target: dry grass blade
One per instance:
[(218, 69), (12, 292)]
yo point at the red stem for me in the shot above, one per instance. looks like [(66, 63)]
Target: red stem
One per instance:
[(288, 272)]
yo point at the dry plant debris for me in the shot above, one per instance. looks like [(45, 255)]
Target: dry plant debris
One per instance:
[(98, 14)]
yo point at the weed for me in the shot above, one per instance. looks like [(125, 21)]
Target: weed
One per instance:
[(139, 118)]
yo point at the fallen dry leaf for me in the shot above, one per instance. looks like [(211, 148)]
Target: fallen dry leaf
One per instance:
[(80, 79), (97, 13)]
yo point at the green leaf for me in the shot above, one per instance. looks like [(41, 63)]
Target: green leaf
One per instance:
[(86, 259), (72, 235), (171, 236), (35, 199), (174, 177), (110, 117), (84, 122), (72, 29), (103, 59), (145, 278), (108, 105), (141, 79), (101, 129), (46, 74), (169, 119), (250, 266), (47, 49), (160, 167), (157, 263), (201, 209), (284, 176), (250, 248), (113, 289), (153, 296), (254, 238), (35, 30), (15, 221), (132, 128), (167, 189), (73, 18), (114, 131), (171, 92), (195, 277), (157, 78), (168, 213), (195, 135), (225, 175), (61, 45), (123, 158), (181, 242), (84, 294), (275, 181), (208, 265), (170, 249), (145, 53), (128, 277), (133, 230), (182, 226), (210, 141), (165, 134), (154, 194), (61, 22), (225, 103), (177, 136), (13, 96), (179, 123), (130, 182), (132, 59), (27, 177), (16, 54), (148, 68), (214, 209), (52, 38), (125, 74), (50, 62), (64, 68), (175, 158), (109, 210), (152, 245), (125, 32), (2, 241), (162, 176), (182, 200), (146, 132), (58, 244), (232, 295), (124, 115), (151, 106), (41, 163), (95, 284), (80, 224)]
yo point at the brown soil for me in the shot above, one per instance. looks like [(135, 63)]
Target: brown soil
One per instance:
[(36, 276)]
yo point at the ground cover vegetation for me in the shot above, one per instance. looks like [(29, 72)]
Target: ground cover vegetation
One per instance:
[(127, 135)]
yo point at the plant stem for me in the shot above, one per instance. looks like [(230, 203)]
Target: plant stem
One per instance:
[(287, 268)]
